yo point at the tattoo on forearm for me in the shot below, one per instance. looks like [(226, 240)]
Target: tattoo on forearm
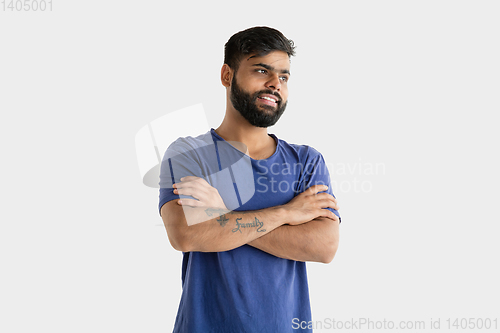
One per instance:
[(255, 224), (222, 220), (221, 213)]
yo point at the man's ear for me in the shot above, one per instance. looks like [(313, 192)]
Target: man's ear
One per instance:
[(226, 75)]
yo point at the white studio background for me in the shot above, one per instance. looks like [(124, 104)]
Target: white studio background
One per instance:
[(399, 96)]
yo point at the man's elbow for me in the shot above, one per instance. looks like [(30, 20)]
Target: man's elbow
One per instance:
[(179, 244), (179, 239), (329, 252), (176, 227), (332, 243)]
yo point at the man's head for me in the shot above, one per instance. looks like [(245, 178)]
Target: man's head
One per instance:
[(256, 69), (257, 41)]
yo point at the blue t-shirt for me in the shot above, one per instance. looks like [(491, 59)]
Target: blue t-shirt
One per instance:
[(244, 289)]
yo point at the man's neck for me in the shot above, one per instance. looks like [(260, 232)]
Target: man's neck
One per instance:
[(237, 129)]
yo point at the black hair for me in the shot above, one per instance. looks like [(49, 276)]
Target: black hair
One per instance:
[(258, 41)]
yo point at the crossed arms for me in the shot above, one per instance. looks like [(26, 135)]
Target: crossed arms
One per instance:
[(299, 230)]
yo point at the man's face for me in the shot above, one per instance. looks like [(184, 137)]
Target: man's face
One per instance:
[(259, 88)]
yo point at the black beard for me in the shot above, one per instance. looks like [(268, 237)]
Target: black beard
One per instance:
[(247, 107)]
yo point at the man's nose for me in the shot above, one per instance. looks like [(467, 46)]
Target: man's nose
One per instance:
[(274, 82)]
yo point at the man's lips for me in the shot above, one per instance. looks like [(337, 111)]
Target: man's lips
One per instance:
[(269, 99)]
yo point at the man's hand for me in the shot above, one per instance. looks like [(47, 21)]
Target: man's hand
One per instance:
[(205, 194), (317, 240), (310, 204)]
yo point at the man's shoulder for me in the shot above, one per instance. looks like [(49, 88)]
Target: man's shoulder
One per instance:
[(302, 151), (188, 144)]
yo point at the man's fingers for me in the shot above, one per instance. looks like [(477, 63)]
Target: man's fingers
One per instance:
[(325, 200), (189, 178), (191, 181), (189, 202), (194, 192), (191, 185), (324, 195), (334, 216), (194, 179), (329, 214), (326, 203)]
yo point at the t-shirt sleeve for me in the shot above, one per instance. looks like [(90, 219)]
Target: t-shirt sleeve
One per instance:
[(316, 173), (180, 160)]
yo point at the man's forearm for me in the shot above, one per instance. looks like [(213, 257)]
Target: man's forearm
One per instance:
[(316, 240), (189, 228), (220, 230)]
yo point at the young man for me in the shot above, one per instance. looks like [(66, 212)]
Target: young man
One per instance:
[(247, 209)]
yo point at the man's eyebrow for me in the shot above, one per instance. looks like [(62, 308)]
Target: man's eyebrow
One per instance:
[(271, 68)]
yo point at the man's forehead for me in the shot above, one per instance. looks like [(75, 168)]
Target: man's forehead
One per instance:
[(277, 59)]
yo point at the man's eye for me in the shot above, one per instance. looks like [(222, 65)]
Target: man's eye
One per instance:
[(263, 71), (284, 78)]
